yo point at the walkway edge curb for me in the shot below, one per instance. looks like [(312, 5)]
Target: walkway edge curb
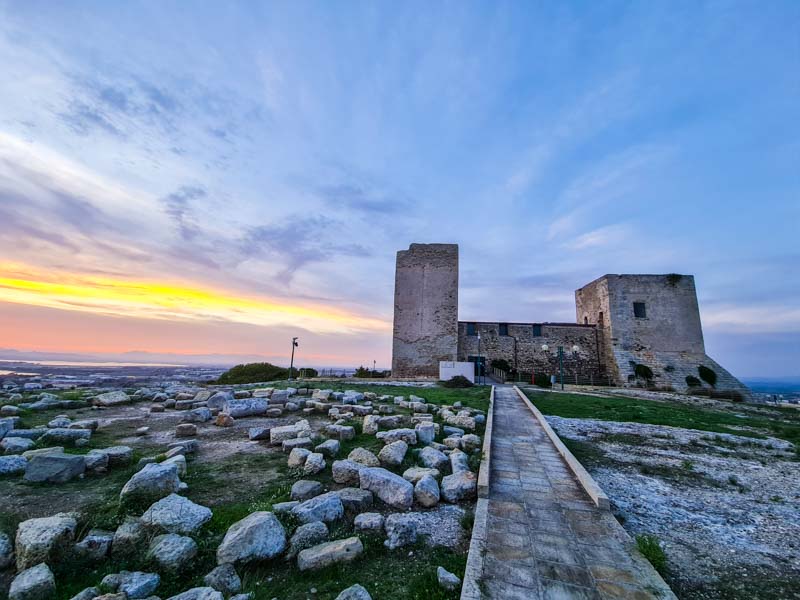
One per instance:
[(484, 470), (586, 481), (471, 587)]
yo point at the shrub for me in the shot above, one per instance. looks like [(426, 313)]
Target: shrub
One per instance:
[(542, 380), (308, 372), (643, 371), (458, 381), (501, 363), (363, 372), (693, 381), (253, 373), (707, 375), (650, 547), (669, 369)]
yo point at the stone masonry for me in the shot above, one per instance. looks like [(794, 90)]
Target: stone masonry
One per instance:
[(425, 309)]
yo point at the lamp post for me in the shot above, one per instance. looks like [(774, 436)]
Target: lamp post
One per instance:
[(291, 363), (480, 367), (561, 365)]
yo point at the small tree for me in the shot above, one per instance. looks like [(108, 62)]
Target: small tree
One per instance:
[(707, 375), (643, 372), (501, 363), (692, 381), (457, 381), (542, 380)]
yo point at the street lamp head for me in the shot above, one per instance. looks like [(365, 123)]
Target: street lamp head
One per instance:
[(545, 347), (575, 348)]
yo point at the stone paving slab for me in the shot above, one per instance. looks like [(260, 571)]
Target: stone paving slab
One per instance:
[(545, 538)]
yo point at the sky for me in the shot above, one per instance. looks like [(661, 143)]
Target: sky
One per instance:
[(206, 179)]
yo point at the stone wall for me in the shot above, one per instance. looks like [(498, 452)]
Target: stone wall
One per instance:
[(425, 309), (530, 357)]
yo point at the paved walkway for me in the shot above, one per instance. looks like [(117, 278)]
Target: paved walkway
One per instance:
[(545, 538)]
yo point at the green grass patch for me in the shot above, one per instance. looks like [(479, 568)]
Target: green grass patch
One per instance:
[(674, 414), (650, 547)]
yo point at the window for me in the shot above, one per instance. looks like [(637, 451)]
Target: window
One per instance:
[(537, 331), (471, 329), (639, 310), (503, 328), (585, 320)]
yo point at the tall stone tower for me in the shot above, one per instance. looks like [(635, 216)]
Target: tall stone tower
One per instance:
[(425, 309)]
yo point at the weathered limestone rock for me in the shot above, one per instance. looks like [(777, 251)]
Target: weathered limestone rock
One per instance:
[(172, 552), (224, 420), (315, 463), (225, 579), (452, 442), (393, 454), (347, 472), (303, 442), (219, 400), (364, 456), (355, 500), (426, 432), (134, 584), (409, 436), (368, 522), (329, 553), (297, 457), (370, 424), (390, 488), (128, 538), (176, 514), (401, 530), (64, 436), (39, 540), (354, 592), (306, 536), (414, 474), (258, 433), (89, 593), (322, 395), (118, 456), (305, 489), (180, 461), (198, 593), (426, 492), (12, 465), (36, 583), (112, 398), (289, 432), (259, 536), (284, 507), (329, 448), (203, 396), (433, 459), (60, 422), (245, 407), (325, 507), (185, 430), (198, 415), (459, 486), (15, 445), (263, 392), (470, 442), (447, 580), (6, 551), (340, 432), (96, 546), (459, 462), (153, 482)]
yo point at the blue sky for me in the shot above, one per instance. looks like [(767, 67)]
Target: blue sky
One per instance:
[(286, 151)]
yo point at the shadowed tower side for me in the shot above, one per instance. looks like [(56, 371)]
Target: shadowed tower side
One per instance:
[(425, 309)]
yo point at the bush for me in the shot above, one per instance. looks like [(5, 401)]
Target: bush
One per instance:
[(650, 547), (542, 380), (501, 363), (365, 373), (253, 373), (643, 371), (308, 372), (458, 381), (707, 375), (693, 381)]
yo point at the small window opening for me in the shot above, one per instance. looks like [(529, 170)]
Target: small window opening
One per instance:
[(471, 329), (639, 310), (537, 331), (585, 320), (503, 328)]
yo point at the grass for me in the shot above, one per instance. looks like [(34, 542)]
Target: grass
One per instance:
[(651, 549), (635, 410)]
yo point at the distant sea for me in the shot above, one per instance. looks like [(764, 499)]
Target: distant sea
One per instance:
[(786, 386), (76, 363)]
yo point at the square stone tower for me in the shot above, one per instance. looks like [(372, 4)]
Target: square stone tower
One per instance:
[(425, 309)]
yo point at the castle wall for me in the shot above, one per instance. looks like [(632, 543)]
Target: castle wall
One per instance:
[(530, 358), (425, 309)]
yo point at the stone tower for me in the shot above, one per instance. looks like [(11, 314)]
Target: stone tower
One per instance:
[(425, 309), (652, 320)]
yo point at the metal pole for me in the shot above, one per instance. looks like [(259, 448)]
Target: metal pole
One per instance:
[(291, 363), (561, 365)]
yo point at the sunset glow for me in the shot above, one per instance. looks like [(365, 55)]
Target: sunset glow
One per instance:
[(158, 300)]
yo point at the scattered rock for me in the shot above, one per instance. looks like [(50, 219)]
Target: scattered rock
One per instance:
[(198, 415), (470, 442), (414, 474), (199, 593), (364, 456), (39, 540), (88, 594), (459, 486), (6, 551), (186, 430), (225, 579), (96, 546), (447, 580), (289, 445), (12, 465), (224, 420), (15, 445), (64, 436), (341, 432), (392, 454), (245, 407), (329, 553), (36, 583), (433, 459), (259, 536), (258, 433), (153, 482), (401, 531), (135, 584), (315, 463), (347, 472), (306, 536), (368, 522), (409, 436), (354, 592), (426, 492), (459, 462), (118, 456), (390, 488), (297, 457), (426, 432), (325, 507), (370, 424), (128, 537), (176, 514), (329, 448), (355, 500), (111, 398), (172, 551), (305, 489)]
